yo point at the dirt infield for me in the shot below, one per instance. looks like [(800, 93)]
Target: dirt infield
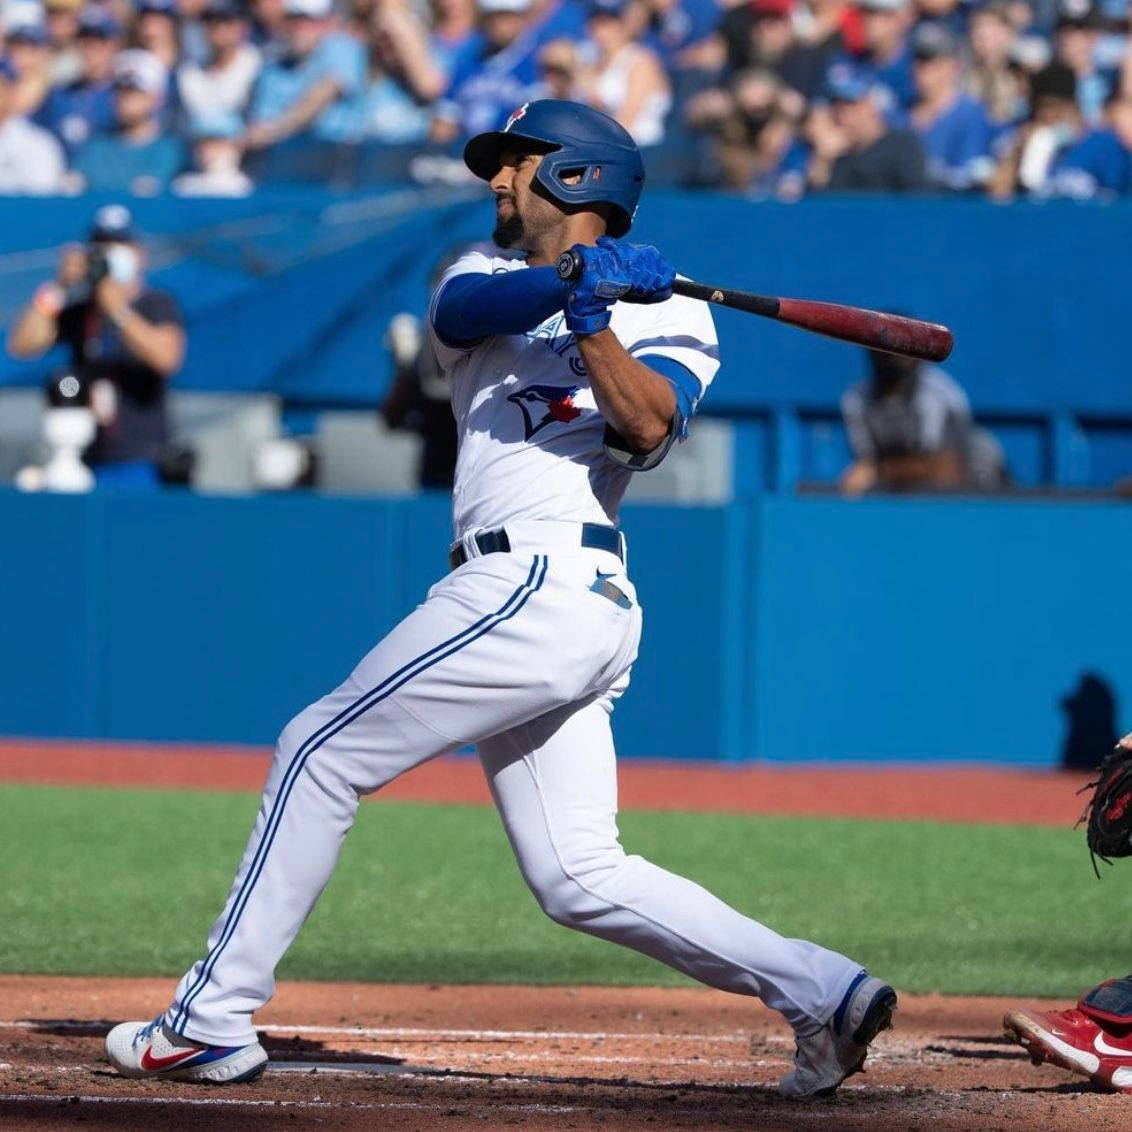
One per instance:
[(444, 1057), (429, 1057), (947, 793)]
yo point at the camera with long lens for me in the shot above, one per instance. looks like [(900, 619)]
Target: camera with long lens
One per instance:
[(97, 267)]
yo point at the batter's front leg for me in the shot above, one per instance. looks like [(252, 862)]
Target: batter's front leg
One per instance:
[(554, 781)]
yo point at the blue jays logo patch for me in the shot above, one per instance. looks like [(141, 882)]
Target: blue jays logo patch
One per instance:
[(520, 113), (544, 404)]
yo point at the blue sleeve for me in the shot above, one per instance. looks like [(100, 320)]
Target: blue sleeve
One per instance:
[(684, 384), (342, 59), (474, 306)]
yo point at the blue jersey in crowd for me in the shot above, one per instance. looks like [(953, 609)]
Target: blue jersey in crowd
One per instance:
[(685, 23), (1097, 164), (958, 144), (112, 165), (285, 81), (895, 76), (486, 86), (76, 112)]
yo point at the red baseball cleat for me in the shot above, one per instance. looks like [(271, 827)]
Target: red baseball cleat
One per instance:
[(1073, 1040)]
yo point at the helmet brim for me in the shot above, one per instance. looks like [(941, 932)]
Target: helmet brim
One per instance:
[(483, 153)]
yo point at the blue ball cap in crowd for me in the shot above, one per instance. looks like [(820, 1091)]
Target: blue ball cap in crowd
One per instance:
[(607, 7), (27, 33), (113, 224), (7, 72), (96, 21), (161, 7), (844, 84), (223, 10)]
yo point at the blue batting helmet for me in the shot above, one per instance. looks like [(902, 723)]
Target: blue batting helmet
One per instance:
[(577, 141)]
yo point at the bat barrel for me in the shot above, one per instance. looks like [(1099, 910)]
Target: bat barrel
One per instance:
[(876, 330)]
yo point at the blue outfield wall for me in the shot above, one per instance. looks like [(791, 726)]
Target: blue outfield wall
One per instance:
[(777, 628)]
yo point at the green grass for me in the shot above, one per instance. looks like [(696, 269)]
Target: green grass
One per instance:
[(127, 882)]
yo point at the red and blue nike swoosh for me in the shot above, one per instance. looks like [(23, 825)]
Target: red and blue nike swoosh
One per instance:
[(148, 1061)]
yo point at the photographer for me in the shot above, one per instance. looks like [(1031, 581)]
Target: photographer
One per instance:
[(125, 338)]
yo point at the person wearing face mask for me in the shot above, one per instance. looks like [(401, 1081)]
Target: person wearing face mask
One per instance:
[(125, 338)]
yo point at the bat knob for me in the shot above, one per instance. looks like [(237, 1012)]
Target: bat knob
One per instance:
[(569, 266)]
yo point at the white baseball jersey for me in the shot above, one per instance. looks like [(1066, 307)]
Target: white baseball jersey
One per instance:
[(531, 435)]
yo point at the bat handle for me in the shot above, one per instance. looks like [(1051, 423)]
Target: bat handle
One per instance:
[(569, 266)]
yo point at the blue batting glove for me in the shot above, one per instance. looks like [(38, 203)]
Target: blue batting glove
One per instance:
[(649, 272), (603, 281)]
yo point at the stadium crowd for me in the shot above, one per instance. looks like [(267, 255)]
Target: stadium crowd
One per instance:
[(772, 97)]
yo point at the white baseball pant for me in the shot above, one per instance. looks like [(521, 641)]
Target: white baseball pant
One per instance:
[(521, 654)]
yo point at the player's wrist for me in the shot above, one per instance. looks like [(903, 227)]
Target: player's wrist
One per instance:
[(584, 317)]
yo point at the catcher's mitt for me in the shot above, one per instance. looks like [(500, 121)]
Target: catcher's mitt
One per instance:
[(1109, 810)]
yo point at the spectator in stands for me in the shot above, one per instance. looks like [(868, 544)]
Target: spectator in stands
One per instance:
[(557, 66), (887, 58), (315, 88), (155, 30), (420, 399), (222, 85), (191, 33), (989, 76), (1053, 126), (62, 22), (951, 14), (763, 34), (31, 159), (855, 149), (404, 80), (136, 157), (269, 26), (1100, 164), (496, 72), (954, 127), (78, 111), (683, 33), (217, 151), (124, 337), (453, 26), (753, 127), (27, 49), (909, 427), (1076, 36), (627, 81)]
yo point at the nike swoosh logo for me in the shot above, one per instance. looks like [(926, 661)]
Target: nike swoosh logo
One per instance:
[(1101, 1046), (148, 1061)]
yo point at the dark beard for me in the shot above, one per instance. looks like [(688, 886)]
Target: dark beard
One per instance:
[(508, 232)]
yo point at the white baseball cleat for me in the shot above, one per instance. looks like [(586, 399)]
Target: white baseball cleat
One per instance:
[(151, 1049), (838, 1050)]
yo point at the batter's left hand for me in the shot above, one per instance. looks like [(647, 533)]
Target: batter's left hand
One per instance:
[(651, 276)]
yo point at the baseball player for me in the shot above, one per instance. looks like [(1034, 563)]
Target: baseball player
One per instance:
[(1093, 1038), (561, 392)]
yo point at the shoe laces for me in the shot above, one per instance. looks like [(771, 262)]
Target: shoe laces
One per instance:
[(147, 1030)]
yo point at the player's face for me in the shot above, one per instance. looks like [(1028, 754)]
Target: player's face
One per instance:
[(522, 215)]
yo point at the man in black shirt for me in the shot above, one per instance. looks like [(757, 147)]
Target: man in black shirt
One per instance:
[(855, 150), (126, 340)]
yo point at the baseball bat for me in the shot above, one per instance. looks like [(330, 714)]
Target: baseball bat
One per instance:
[(878, 330)]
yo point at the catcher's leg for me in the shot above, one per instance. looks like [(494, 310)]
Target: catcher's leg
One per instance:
[(554, 782)]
